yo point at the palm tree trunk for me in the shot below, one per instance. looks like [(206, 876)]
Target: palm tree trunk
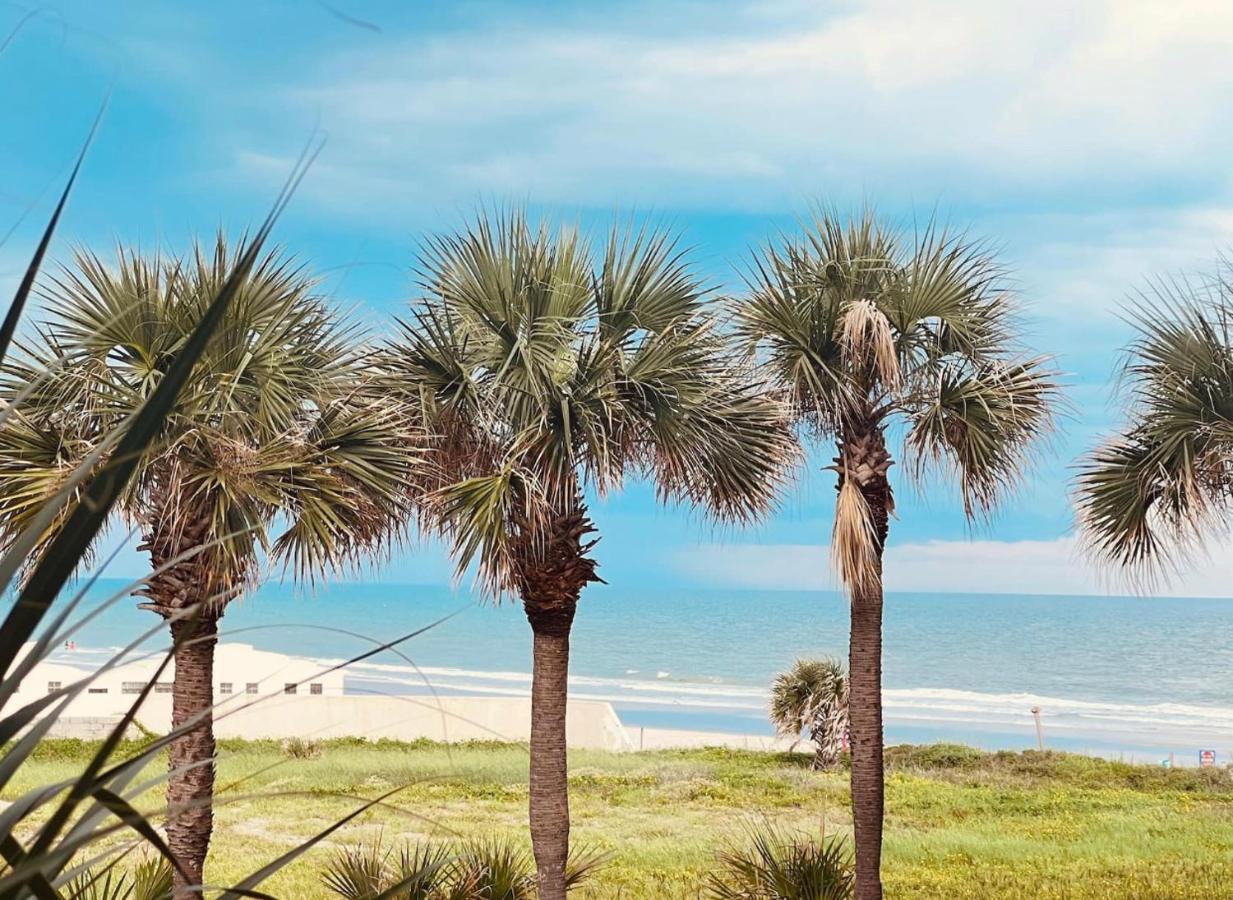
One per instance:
[(821, 760), (863, 457), (824, 754), (865, 716), (190, 789), (549, 803), (552, 577)]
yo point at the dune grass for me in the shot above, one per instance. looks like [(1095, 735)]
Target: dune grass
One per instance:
[(960, 823)]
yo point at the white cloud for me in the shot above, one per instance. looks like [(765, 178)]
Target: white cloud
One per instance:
[(994, 567), (964, 98)]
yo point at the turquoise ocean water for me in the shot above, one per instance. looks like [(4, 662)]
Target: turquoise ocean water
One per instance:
[(1134, 675)]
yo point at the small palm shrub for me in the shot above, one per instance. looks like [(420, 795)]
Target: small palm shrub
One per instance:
[(368, 871), (812, 697), (151, 880), (774, 865), (487, 869), (299, 748), (493, 869)]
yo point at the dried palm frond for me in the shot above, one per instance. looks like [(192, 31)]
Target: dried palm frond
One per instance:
[(869, 341), (854, 547)]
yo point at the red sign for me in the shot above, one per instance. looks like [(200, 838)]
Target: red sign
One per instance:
[(1207, 758)]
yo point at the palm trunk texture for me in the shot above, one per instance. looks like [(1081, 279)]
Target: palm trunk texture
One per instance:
[(864, 456), (190, 790), (183, 591), (552, 581)]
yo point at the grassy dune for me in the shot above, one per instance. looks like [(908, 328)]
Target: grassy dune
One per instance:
[(960, 824)]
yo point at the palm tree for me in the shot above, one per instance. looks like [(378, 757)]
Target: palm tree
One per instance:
[(1154, 493), (540, 374), (863, 328), (276, 425), (813, 696)]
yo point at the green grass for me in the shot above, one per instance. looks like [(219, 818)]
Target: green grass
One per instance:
[(960, 824)]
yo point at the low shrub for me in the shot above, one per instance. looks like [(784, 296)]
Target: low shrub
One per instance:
[(774, 865)]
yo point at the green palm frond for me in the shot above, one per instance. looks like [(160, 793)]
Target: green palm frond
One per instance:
[(982, 417), (1149, 496), (858, 324), (539, 368), (776, 865), (278, 420)]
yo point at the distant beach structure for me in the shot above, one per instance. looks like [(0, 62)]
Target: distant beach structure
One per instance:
[(239, 670)]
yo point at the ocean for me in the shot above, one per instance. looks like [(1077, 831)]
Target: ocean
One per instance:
[(1138, 677)]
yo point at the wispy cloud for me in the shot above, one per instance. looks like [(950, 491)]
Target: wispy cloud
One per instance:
[(968, 99)]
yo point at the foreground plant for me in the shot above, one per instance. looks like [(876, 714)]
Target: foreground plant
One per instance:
[(150, 880), (774, 865), (369, 871), (1153, 495), (812, 697), (491, 869), (540, 373), (274, 424), (860, 328)]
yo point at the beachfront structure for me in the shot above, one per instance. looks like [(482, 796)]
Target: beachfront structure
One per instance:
[(318, 708), (240, 671)]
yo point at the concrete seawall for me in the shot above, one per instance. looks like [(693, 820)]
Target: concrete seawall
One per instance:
[(591, 724)]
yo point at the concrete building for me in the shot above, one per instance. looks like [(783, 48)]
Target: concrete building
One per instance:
[(240, 670)]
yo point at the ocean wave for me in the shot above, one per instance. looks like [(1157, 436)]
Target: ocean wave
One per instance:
[(954, 710)]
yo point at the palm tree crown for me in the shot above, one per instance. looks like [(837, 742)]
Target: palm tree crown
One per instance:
[(859, 325), (1153, 492), (539, 374), (277, 423)]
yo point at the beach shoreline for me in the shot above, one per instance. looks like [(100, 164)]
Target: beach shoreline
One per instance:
[(373, 699)]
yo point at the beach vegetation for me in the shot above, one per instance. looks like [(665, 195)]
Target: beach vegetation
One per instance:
[(771, 864), (493, 868), (545, 371), (812, 698), (148, 880), (864, 328), (1008, 825)]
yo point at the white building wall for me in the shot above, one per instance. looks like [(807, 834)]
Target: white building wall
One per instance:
[(239, 670), (252, 701)]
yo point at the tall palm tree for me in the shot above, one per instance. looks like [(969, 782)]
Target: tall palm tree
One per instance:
[(277, 426), (813, 696), (1160, 488), (863, 329), (541, 373)]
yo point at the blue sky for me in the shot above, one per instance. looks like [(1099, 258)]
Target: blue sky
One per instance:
[(1089, 140)]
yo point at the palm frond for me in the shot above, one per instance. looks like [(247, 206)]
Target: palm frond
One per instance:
[(1149, 497), (854, 546), (983, 418), (775, 865), (538, 371), (276, 418)]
